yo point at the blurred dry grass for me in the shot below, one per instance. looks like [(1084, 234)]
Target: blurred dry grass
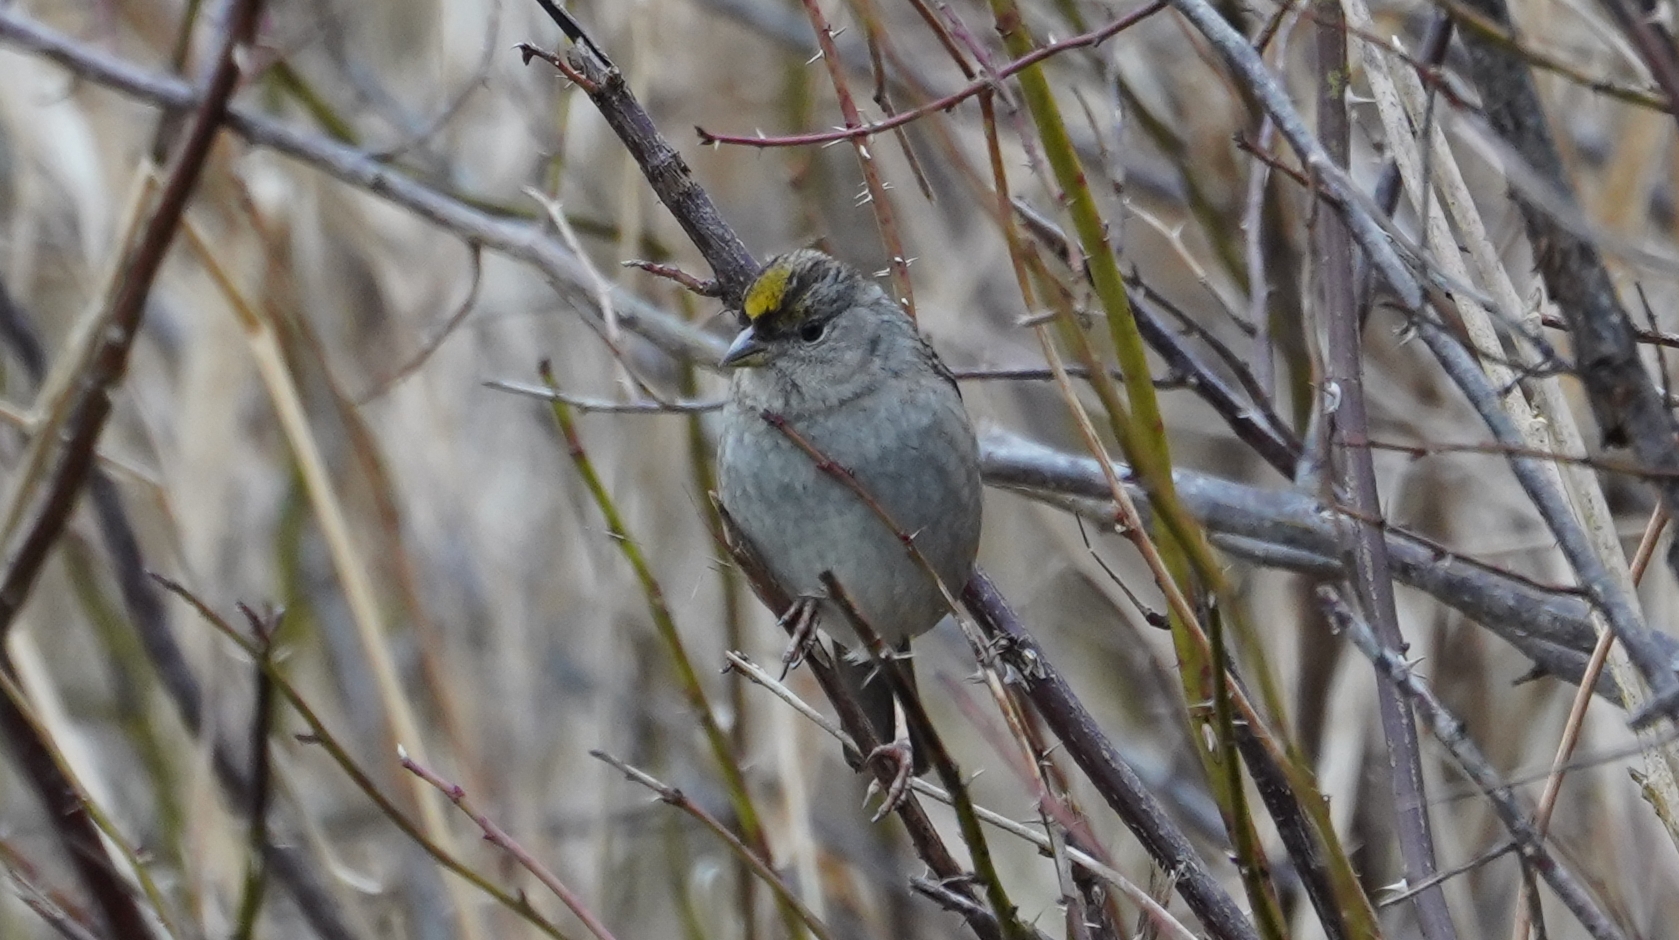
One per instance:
[(520, 635)]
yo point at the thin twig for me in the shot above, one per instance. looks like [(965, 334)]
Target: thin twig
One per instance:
[(671, 272), (1525, 918), (585, 404), (498, 837), (1355, 472), (674, 797), (1644, 335)]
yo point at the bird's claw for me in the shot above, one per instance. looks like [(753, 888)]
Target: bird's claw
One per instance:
[(900, 759), (800, 623)]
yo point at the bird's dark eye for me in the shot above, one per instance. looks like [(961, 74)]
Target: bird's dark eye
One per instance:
[(811, 332)]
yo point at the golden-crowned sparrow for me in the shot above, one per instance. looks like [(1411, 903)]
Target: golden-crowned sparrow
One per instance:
[(827, 358)]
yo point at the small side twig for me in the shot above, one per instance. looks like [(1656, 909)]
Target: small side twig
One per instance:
[(675, 797), (670, 272), (527, 52), (498, 837), (603, 406)]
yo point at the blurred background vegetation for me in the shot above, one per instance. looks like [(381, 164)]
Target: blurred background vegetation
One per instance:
[(304, 425)]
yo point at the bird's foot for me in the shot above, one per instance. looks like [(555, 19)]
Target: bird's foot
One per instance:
[(899, 758), (800, 623)]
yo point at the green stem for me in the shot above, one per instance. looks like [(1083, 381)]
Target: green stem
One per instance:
[(664, 624), (1137, 425)]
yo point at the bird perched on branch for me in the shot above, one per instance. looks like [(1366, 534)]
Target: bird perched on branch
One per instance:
[(845, 448)]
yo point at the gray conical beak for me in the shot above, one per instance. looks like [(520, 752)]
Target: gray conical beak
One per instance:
[(746, 351)]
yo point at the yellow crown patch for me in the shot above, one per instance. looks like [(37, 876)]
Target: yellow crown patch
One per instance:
[(766, 293)]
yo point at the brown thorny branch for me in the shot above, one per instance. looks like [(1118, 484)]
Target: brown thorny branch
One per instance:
[(497, 836), (940, 105), (1353, 471), (1272, 528)]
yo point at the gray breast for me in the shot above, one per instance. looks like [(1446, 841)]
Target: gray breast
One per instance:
[(917, 463)]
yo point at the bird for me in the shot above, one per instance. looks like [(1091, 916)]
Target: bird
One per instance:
[(831, 379)]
